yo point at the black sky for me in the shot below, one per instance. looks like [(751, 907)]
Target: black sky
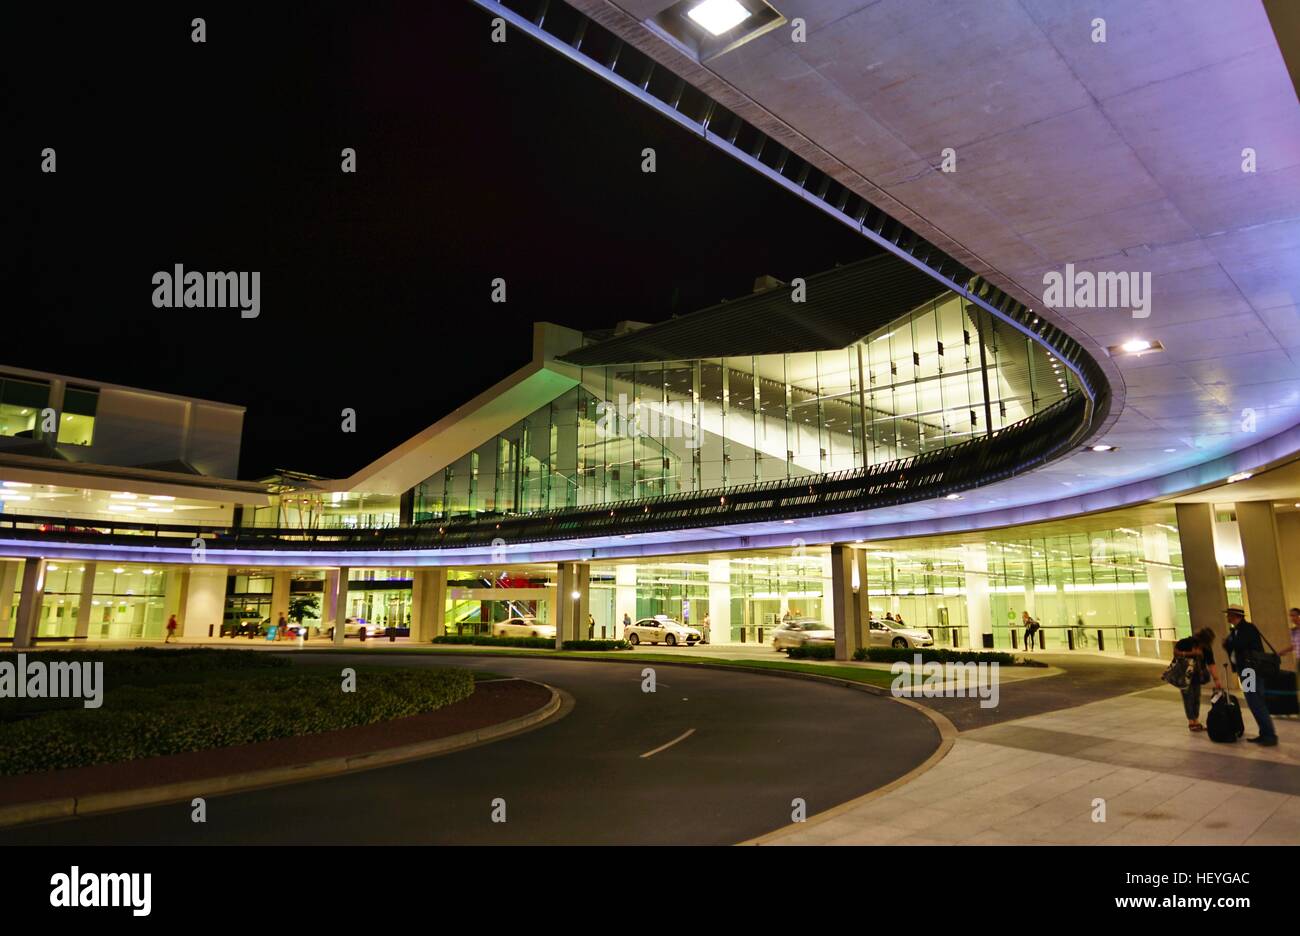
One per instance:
[(475, 160)]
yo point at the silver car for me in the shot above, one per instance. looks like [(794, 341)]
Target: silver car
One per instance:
[(802, 632), (899, 636)]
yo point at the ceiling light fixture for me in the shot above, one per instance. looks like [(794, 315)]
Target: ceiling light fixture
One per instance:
[(1101, 447), (718, 16), (1135, 345), (1239, 476)]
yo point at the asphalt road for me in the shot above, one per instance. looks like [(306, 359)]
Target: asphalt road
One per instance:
[(756, 743)]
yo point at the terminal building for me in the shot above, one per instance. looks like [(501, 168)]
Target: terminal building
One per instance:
[(915, 434)]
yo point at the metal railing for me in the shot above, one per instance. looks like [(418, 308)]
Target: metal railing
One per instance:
[(1009, 451)]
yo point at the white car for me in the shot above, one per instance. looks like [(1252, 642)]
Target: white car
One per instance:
[(660, 629), (900, 637), (802, 632), (523, 627)]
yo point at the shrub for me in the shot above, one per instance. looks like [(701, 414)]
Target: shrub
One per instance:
[(932, 654), (595, 645), (483, 640), (219, 710), (812, 652)]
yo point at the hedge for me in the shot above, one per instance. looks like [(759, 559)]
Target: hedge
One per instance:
[(931, 654), (221, 709), (483, 640), (812, 652), (595, 645)]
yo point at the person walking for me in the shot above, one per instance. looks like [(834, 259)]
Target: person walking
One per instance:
[(1201, 668), (1032, 628), (591, 626), (627, 621), (171, 629), (1245, 644), (281, 628)]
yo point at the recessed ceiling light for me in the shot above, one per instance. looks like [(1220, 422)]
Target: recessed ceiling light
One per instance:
[(1239, 476), (16, 484), (1171, 450), (953, 497), (1136, 346), (1101, 447), (718, 16), (123, 496)]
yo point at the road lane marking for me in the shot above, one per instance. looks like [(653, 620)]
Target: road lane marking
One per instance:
[(664, 747)]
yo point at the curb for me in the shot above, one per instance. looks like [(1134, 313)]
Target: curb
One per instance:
[(17, 814)]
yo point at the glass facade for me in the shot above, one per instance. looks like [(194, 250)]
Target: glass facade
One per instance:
[(937, 377), (127, 602)]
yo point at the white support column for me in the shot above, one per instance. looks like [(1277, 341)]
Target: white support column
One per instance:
[(978, 613), (847, 601), (8, 583), (338, 601), (281, 584), (719, 601), (205, 602), (428, 604), (572, 580), (624, 596), (85, 602), (29, 605), (828, 593)]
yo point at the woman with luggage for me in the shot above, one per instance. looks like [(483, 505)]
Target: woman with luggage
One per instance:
[(1198, 650)]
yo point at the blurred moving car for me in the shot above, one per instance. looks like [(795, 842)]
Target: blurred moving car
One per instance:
[(900, 637), (523, 627), (802, 632), (660, 629)]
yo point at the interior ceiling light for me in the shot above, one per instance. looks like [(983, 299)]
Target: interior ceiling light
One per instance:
[(953, 497), (718, 16), (1239, 476), (1101, 447), (1136, 346)]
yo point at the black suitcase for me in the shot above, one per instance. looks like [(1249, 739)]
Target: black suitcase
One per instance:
[(1224, 723), (1280, 694)]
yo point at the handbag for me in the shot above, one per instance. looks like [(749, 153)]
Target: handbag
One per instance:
[(1176, 672)]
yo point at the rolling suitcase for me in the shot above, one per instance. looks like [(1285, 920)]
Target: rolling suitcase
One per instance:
[(1224, 723), (1280, 694)]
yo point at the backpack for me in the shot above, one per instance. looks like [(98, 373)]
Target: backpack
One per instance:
[(1223, 723)]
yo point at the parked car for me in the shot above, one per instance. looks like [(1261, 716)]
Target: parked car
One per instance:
[(239, 623), (660, 629), (357, 627), (889, 634), (523, 627), (802, 632)]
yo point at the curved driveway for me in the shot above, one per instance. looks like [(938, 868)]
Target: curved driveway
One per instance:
[(757, 743)]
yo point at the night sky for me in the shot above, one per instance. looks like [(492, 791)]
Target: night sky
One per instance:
[(475, 160)]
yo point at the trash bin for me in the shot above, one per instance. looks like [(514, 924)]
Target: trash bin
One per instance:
[(988, 641)]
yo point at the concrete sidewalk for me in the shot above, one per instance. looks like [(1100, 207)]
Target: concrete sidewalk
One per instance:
[(1036, 780)]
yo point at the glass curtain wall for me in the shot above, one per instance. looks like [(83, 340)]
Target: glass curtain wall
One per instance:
[(937, 377)]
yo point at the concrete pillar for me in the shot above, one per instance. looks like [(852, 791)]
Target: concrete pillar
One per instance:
[(979, 615), (29, 604), (850, 606), (719, 601), (1206, 595), (8, 583), (85, 602), (329, 598), (624, 596), (1155, 550), (205, 602), (573, 579), (281, 583), (428, 604), (1263, 570), (828, 593), (337, 601)]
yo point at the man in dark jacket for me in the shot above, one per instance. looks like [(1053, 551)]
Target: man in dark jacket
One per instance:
[(1243, 640)]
